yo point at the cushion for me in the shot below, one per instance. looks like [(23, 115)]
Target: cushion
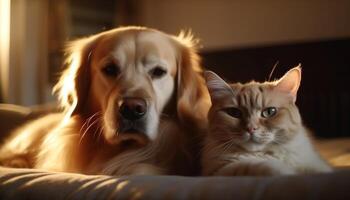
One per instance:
[(35, 184)]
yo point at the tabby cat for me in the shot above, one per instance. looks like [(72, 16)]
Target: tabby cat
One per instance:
[(256, 129)]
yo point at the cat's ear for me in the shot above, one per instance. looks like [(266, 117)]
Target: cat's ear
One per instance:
[(290, 82), (217, 86)]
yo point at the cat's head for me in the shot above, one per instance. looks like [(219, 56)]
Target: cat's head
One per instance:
[(254, 115)]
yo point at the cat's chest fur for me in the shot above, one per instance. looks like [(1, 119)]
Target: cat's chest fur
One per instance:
[(296, 152)]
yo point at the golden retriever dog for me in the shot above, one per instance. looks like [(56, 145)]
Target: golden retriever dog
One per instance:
[(134, 102)]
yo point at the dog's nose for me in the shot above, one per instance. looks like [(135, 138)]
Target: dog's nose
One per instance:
[(133, 108)]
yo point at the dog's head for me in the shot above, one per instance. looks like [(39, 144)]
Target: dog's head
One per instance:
[(128, 77)]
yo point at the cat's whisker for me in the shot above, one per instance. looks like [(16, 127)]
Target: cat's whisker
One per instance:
[(228, 145), (278, 142)]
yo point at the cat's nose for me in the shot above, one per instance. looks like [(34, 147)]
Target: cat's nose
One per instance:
[(252, 129)]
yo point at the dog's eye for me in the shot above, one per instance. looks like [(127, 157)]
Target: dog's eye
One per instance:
[(233, 112), (111, 70), (157, 72)]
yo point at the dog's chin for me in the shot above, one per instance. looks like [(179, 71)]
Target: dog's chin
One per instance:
[(127, 136)]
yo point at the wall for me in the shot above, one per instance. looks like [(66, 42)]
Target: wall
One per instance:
[(25, 73), (241, 23)]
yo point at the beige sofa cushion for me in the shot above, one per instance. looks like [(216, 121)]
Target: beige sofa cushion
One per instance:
[(34, 184)]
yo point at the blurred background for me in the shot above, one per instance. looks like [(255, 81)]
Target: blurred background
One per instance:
[(241, 40)]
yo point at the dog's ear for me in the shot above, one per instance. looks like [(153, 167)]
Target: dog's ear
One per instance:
[(192, 94), (74, 83)]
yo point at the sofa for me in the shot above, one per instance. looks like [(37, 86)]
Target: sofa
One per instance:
[(39, 184)]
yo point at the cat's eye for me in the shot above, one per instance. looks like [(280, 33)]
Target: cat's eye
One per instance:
[(233, 112), (269, 112), (111, 70), (157, 72)]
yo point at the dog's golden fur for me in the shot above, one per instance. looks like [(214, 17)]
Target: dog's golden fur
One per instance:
[(84, 137)]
